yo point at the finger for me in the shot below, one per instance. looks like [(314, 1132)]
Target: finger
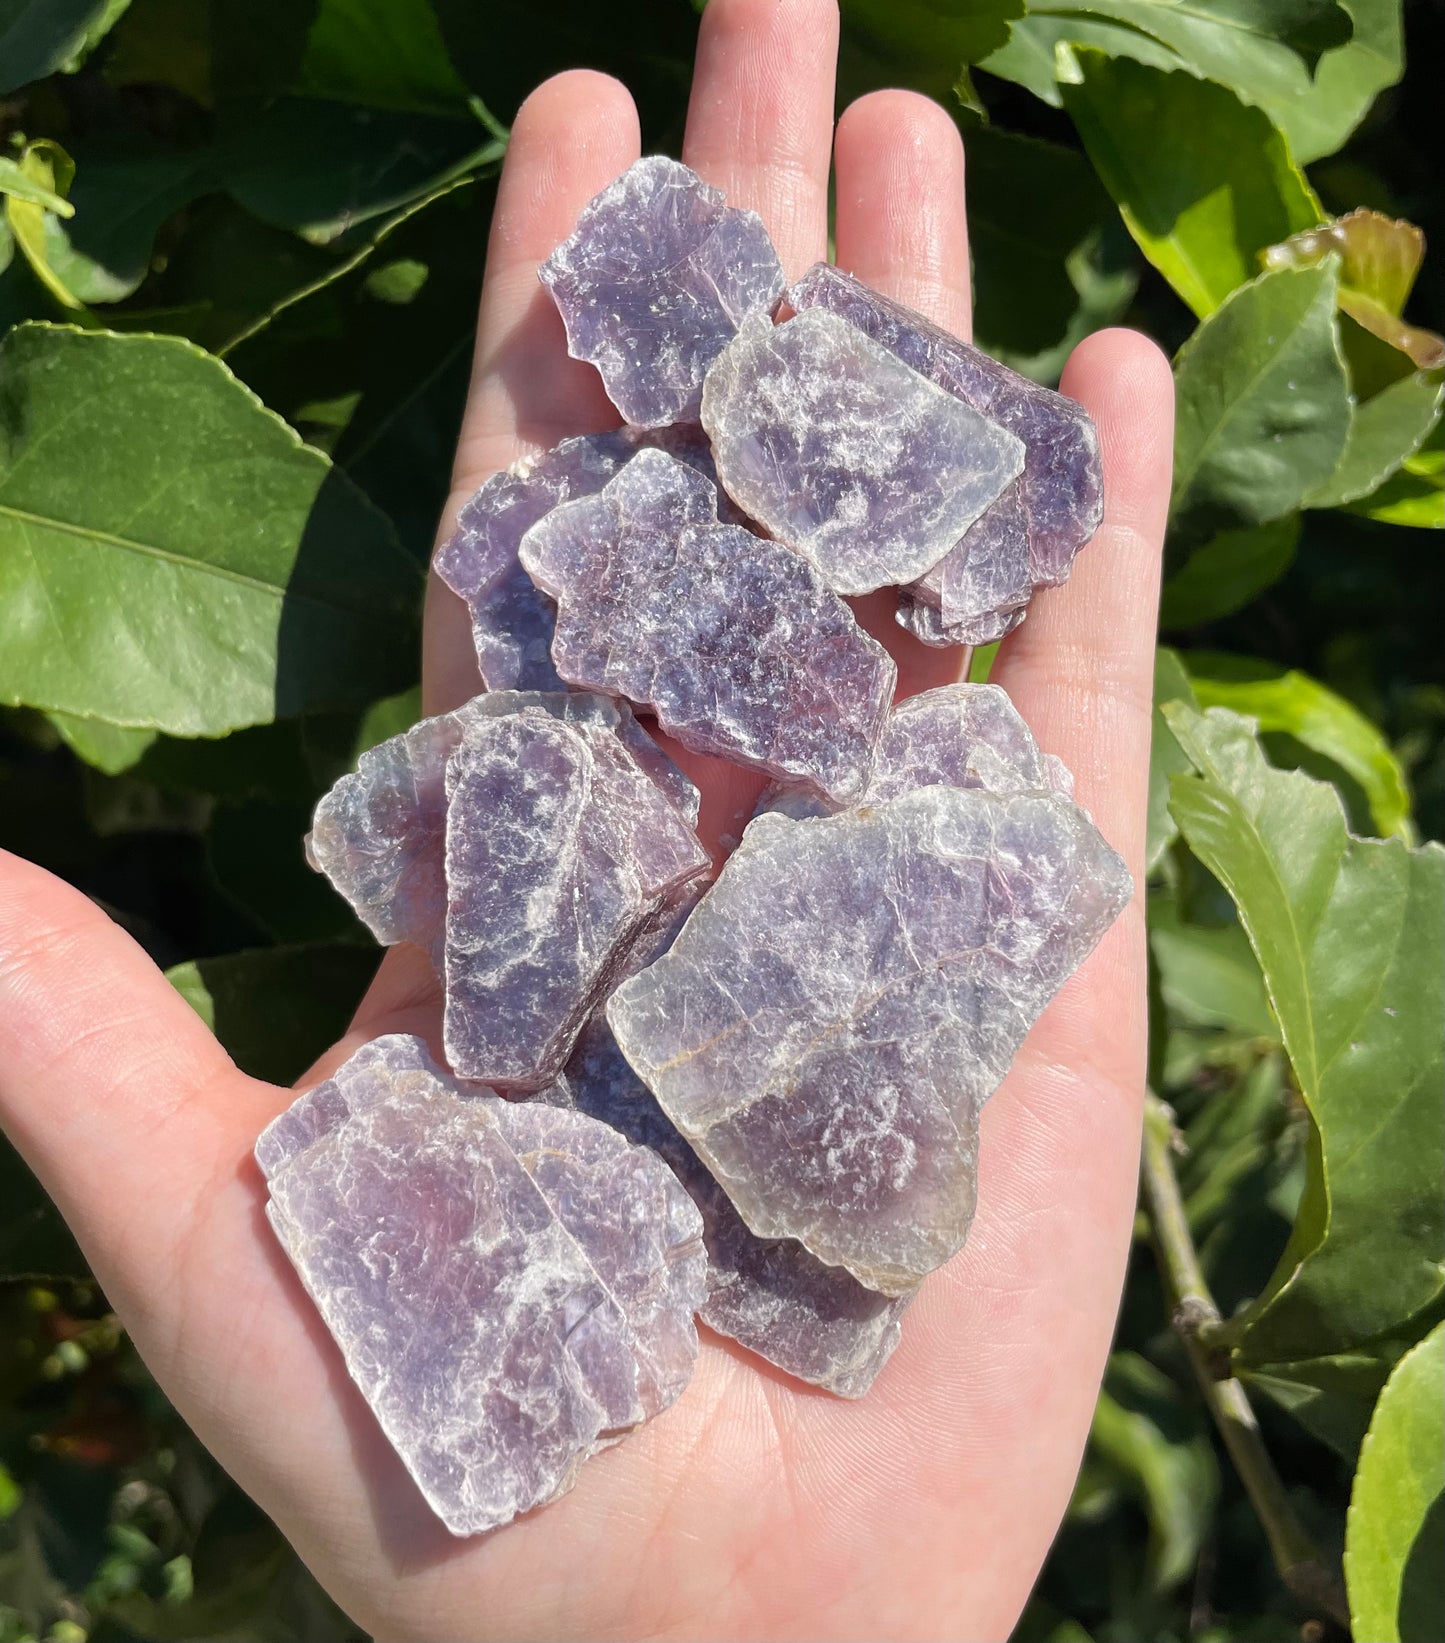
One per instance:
[(1081, 668), (109, 1081), (571, 137), (760, 119), (901, 228)]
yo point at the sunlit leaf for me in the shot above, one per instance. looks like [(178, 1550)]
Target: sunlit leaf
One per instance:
[(1395, 1545), (1350, 941), (1287, 700), (211, 571), (1204, 182), (1223, 574)]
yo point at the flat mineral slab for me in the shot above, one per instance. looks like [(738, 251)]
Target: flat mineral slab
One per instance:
[(847, 996), (866, 467), (512, 621), (654, 281), (511, 1288), (980, 590), (1061, 488), (769, 1294), (562, 855), (732, 640), (379, 834)]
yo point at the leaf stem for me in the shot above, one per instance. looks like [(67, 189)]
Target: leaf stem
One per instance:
[(1298, 1559)]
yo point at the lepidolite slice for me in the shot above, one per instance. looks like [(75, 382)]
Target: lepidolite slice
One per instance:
[(512, 620), (962, 735), (511, 1288), (1061, 489), (654, 281), (732, 640), (769, 1294), (562, 856), (846, 997), (378, 835), (867, 468), (980, 590)]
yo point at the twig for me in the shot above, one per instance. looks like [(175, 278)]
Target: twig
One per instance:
[(1299, 1561)]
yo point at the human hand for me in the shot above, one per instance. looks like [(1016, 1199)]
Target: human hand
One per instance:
[(755, 1507)]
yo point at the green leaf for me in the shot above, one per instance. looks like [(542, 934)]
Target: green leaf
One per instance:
[(1208, 974), (1281, 699), (1349, 938), (380, 54), (1263, 404), (278, 1008), (1041, 285), (1160, 1447), (211, 572), (1262, 49), (110, 748), (1243, 47), (1225, 573), (51, 171), (1379, 258), (39, 36), (163, 43), (17, 183), (1166, 758), (1395, 1539), (925, 44), (1384, 433), (1414, 496), (125, 188), (1204, 182), (321, 167)]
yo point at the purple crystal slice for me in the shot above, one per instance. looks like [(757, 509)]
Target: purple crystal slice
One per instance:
[(512, 621), (979, 591), (379, 833), (511, 1288), (769, 1294), (561, 857), (962, 735), (836, 447), (732, 640), (654, 281), (849, 993), (1061, 489)]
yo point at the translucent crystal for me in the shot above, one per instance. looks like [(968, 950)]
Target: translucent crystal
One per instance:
[(837, 448), (769, 1294), (512, 1288), (654, 280), (980, 589), (962, 735), (378, 834), (1061, 489), (512, 621), (849, 993), (562, 856), (732, 640)]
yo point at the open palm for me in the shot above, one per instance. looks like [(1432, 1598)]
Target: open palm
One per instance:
[(755, 1507)]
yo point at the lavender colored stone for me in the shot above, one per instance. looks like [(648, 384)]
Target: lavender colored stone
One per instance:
[(961, 735), (980, 590), (562, 856), (846, 997), (1061, 489), (769, 1294), (512, 621), (378, 835), (654, 281), (836, 447), (511, 1288), (732, 640)]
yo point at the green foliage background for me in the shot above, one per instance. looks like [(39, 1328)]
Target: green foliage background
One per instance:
[(240, 253)]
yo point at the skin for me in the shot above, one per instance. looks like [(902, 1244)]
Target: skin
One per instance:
[(755, 1507)]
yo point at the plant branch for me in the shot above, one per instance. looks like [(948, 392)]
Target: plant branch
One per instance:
[(1298, 1559)]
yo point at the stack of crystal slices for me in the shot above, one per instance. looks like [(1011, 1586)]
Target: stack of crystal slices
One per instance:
[(749, 1096)]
